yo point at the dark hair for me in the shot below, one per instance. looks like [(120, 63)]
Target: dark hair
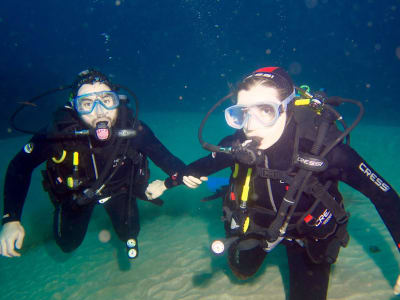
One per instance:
[(270, 77), (90, 76), (252, 81)]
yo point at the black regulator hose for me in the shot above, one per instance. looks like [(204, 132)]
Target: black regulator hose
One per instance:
[(72, 135), (205, 145), (136, 100), (30, 102), (349, 129)]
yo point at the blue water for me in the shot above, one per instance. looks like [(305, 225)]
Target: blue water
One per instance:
[(181, 56)]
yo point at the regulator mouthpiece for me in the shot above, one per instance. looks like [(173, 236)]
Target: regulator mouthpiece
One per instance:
[(102, 131)]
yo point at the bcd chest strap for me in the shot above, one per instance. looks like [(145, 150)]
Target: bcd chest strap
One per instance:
[(314, 188)]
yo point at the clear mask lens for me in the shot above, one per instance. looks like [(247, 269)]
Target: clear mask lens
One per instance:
[(266, 113), (85, 104)]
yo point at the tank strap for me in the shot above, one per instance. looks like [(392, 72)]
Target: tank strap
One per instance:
[(320, 193)]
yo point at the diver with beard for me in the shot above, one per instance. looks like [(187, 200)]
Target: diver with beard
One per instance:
[(96, 152), (287, 158)]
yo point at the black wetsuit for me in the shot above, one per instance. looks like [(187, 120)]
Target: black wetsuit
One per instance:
[(71, 220), (308, 280)]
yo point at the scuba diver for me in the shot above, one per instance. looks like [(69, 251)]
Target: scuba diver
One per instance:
[(96, 151), (287, 156)]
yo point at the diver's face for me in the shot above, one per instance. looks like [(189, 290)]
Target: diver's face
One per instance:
[(99, 113), (253, 127)]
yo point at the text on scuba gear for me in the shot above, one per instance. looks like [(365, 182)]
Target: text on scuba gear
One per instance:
[(373, 177), (323, 218), (311, 162)]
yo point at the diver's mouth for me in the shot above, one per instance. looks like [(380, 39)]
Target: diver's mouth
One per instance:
[(102, 120)]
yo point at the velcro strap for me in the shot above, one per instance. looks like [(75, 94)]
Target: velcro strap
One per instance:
[(274, 174)]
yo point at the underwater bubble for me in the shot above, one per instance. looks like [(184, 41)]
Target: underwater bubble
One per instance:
[(311, 3), (180, 97), (295, 68), (104, 236), (398, 52)]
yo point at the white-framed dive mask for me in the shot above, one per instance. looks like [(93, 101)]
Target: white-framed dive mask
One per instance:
[(266, 112)]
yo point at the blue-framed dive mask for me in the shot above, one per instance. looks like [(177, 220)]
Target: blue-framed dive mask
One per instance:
[(85, 104)]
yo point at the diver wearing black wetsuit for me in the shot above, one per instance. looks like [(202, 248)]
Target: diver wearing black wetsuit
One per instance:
[(70, 220), (83, 171), (277, 142), (307, 279)]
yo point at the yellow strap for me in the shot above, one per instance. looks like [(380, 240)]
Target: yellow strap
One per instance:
[(246, 224), (236, 171), (301, 102), (75, 160), (70, 182), (246, 187), (61, 159)]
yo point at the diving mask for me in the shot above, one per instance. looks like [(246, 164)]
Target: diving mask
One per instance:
[(85, 104), (266, 112)]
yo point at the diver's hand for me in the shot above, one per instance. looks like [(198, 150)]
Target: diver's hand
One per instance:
[(11, 237), (193, 182), (155, 189)]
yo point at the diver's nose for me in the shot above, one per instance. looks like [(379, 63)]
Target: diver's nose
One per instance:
[(99, 109), (250, 123)]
